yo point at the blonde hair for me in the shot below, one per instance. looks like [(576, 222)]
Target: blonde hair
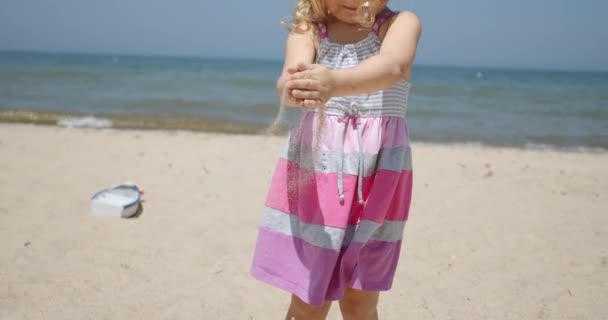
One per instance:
[(310, 12)]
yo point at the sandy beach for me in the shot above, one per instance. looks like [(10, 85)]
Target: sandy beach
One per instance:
[(494, 233)]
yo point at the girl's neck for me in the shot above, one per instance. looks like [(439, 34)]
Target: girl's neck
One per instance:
[(342, 32)]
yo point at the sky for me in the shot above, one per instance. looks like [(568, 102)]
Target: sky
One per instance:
[(530, 34)]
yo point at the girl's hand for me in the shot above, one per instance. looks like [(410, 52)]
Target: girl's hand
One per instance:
[(311, 85), (286, 97), (284, 93)]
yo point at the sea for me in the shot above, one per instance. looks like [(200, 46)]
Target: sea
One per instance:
[(479, 106)]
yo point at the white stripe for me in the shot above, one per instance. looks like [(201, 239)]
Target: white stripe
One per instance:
[(331, 237)]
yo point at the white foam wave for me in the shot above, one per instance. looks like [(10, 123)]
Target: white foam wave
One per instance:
[(85, 122), (546, 147)]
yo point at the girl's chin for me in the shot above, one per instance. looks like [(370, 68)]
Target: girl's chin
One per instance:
[(347, 17)]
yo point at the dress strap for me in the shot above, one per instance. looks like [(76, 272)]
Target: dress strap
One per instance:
[(381, 18), (322, 30)]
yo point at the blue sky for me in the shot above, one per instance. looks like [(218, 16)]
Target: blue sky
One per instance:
[(554, 34)]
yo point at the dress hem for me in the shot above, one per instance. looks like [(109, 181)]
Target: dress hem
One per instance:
[(301, 293)]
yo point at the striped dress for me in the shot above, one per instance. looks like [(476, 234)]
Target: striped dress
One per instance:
[(338, 202)]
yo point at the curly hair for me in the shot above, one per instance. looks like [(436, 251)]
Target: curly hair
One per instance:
[(311, 12)]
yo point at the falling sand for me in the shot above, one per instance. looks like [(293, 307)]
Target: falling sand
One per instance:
[(299, 179)]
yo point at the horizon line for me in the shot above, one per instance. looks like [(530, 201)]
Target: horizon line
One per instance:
[(279, 60)]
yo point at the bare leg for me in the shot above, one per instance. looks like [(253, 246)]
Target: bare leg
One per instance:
[(359, 305), (300, 310)]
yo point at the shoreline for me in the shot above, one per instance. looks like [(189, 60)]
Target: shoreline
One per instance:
[(205, 125), (114, 121)]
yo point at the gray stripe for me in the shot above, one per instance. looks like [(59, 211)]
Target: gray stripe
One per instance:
[(362, 50), (365, 105), (330, 237), (393, 159), (389, 231), (383, 103), (392, 99), (317, 235), (393, 92), (386, 99)]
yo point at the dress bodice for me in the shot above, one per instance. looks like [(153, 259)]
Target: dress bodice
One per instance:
[(391, 101)]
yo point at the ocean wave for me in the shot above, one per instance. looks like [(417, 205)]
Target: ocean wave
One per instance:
[(252, 83), (85, 122), (171, 102), (577, 149), (436, 90), (131, 121), (56, 75)]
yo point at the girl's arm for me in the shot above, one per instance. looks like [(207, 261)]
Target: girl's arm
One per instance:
[(316, 84), (299, 49), (389, 65)]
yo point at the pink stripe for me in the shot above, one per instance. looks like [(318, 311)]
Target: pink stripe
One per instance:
[(371, 266), (315, 198), (389, 204), (315, 274), (374, 133)]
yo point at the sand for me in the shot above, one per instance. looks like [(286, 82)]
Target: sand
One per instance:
[(494, 233)]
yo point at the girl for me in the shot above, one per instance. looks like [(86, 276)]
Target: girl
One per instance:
[(334, 216)]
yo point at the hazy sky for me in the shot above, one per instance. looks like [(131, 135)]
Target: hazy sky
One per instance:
[(507, 33)]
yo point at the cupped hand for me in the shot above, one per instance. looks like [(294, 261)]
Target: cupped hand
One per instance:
[(311, 85)]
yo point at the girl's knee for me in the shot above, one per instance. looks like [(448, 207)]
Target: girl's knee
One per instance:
[(299, 309), (358, 304)]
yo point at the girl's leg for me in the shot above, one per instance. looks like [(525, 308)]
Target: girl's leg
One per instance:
[(300, 310), (359, 305)]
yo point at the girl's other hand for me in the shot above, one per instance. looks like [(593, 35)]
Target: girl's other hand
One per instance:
[(286, 97), (310, 84), (285, 93)]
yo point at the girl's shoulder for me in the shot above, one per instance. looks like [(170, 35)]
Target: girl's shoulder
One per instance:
[(404, 18), (311, 32), (306, 32)]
